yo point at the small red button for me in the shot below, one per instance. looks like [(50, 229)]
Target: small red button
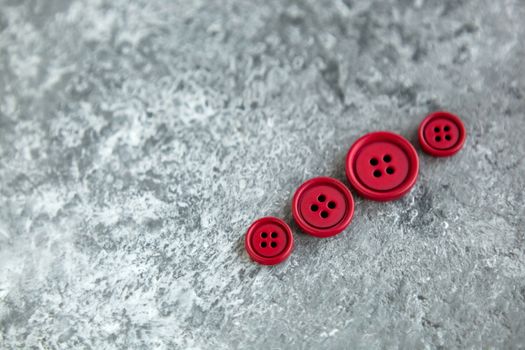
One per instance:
[(382, 166), (322, 207), (269, 241), (441, 134)]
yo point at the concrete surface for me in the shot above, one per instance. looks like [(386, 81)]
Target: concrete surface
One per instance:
[(140, 139)]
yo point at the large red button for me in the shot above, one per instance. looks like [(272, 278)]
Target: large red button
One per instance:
[(382, 166), (322, 207), (441, 134), (269, 241)]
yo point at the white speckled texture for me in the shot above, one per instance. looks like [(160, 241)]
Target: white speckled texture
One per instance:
[(138, 141)]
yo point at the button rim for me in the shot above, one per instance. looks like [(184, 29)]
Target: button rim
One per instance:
[(274, 260), (395, 193), (332, 230), (428, 149)]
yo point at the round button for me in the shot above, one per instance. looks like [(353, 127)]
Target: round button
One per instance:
[(441, 134), (382, 166), (269, 241), (322, 207)]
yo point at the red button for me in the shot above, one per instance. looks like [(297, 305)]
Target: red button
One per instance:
[(441, 134), (269, 241), (322, 207), (382, 166)]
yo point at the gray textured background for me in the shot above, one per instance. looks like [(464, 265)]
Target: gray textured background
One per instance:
[(139, 141)]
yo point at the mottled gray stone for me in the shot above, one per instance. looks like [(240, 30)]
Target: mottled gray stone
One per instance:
[(138, 140)]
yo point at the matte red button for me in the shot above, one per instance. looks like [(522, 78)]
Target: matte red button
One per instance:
[(269, 241), (322, 207), (382, 166), (441, 134)]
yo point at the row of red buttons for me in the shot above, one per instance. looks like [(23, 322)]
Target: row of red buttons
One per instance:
[(380, 166)]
